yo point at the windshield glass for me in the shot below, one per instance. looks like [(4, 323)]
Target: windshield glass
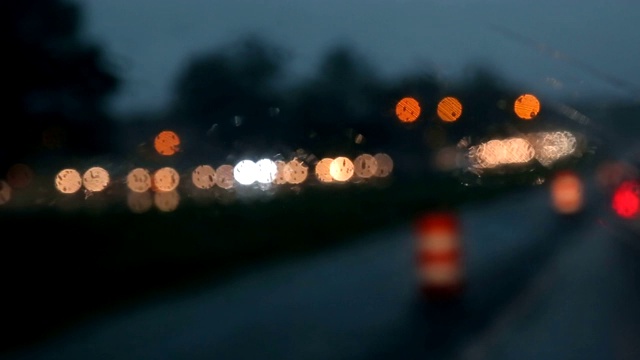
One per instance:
[(330, 179)]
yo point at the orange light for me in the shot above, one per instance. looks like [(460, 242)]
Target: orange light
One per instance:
[(449, 109), (526, 106), (95, 179), (566, 193), (5, 192), (408, 109), (341, 169), (68, 181), (167, 143)]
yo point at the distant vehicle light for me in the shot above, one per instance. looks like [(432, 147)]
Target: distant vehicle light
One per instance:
[(246, 172), (224, 176), (626, 199), (204, 177), (68, 181), (341, 169), (95, 179), (567, 193), (166, 179), (323, 172), (139, 180), (365, 166)]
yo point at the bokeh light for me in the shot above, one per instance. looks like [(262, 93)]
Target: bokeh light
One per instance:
[(494, 153), (385, 164), (323, 172), (408, 109), (567, 192), (245, 172), (626, 199), (19, 176), (165, 179), (365, 166), (296, 172), (167, 143), (280, 169), (224, 176), (341, 169), (68, 181), (553, 146), (204, 177), (139, 180), (526, 106), (166, 201), (5, 192), (267, 171), (139, 202), (610, 174), (449, 109), (95, 179)]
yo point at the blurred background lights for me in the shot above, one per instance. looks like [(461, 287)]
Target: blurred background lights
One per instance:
[(280, 169), (449, 109), (567, 192), (553, 146), (323, 172), (167, 143), (385, 164), (267, 171), (341, 169), (224, 176), (19, 176), (494, 153), (408, 109), (245, 172), (166, 179), (95, 179), (204, 177), (295, 172), (5, 192), (626, 199), (365, 166), (610, 174), (166, 201), (68, 181), (526, 106), (139, 180), (139, 202)]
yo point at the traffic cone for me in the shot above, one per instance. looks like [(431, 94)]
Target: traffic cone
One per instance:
[(439, 256)]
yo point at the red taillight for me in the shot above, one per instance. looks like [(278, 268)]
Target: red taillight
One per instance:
[(626, 199)]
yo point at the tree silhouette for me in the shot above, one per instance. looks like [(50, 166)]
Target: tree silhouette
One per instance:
[(231, 93), (55, 83)]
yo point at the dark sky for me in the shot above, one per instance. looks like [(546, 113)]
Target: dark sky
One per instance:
[(589, 44)]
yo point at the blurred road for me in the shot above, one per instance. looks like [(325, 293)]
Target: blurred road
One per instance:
[(540, 286)]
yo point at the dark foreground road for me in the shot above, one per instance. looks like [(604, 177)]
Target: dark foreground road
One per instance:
[(539, 286)]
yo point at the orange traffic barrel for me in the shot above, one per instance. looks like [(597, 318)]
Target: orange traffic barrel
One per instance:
[(439, 255)]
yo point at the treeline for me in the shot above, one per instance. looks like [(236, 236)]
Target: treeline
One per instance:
[(229, 102)]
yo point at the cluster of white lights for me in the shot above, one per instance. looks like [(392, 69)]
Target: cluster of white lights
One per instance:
[(501, 152), (553, 146), (545, 147)]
